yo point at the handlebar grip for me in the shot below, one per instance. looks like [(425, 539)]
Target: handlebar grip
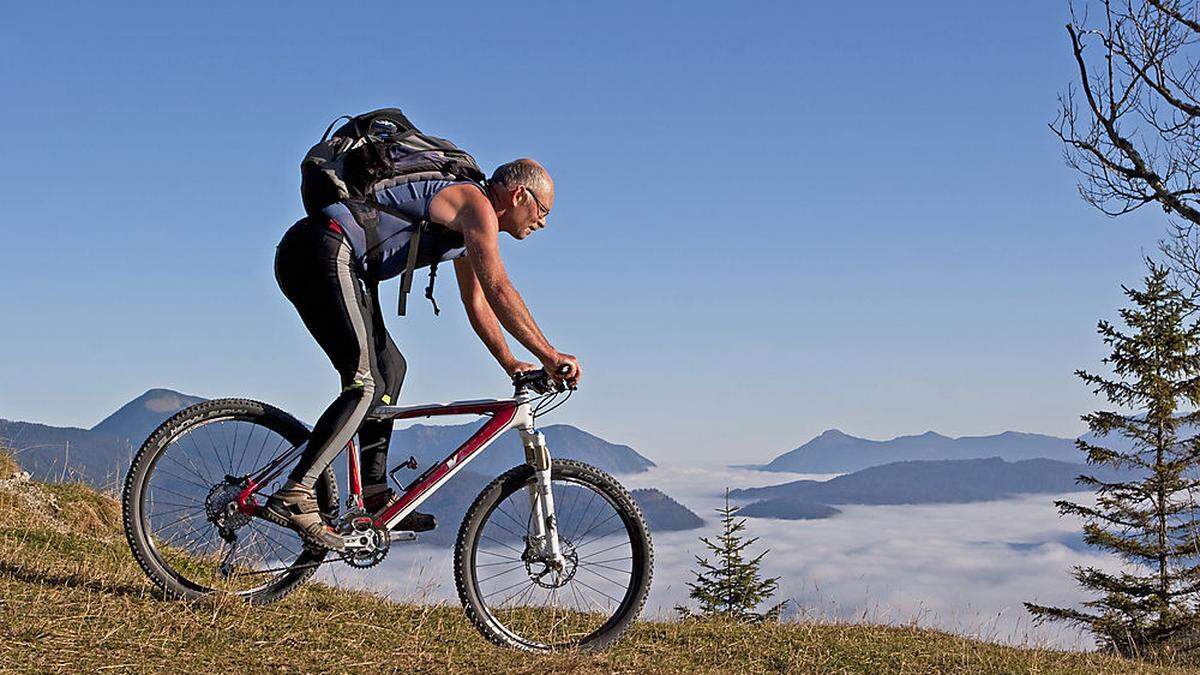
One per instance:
[(540, 380)]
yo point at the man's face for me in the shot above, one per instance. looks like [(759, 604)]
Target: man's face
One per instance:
[(527, 211)]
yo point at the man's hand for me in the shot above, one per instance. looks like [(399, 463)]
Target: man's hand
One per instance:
[(563, 367), (513, 367)]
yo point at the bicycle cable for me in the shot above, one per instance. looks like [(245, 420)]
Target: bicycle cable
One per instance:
[(543, 410), (544, 401)]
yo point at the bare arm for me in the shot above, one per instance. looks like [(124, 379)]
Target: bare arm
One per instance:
[(483, 319), (477, 222)]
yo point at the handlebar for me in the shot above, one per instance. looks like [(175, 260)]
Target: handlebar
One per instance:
[(540, 381)]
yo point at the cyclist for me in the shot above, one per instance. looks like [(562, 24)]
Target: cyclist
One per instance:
[(321, 266)]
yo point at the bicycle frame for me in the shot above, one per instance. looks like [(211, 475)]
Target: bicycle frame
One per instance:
[(505, 414)]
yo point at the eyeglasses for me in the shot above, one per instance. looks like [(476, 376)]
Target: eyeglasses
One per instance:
[(542, 210)]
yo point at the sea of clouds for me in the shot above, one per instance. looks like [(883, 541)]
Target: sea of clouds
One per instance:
[(964, 568)]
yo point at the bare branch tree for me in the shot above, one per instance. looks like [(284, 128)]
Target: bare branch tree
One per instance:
[(1131, 124)]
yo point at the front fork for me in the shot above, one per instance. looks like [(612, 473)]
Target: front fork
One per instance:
[(544, 525)]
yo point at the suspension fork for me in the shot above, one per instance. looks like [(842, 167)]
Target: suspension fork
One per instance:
[(541, 498)]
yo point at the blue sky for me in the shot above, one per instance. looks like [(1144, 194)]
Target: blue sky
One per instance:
[(772, 218)]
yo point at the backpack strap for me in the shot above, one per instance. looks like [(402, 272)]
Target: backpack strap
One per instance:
[(368, 219), (414, 243), (325, 136)]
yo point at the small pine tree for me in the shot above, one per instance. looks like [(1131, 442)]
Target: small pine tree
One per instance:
[(1146, 514), (731, 586)]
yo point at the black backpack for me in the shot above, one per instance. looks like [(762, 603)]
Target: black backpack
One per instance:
[(371, 152)]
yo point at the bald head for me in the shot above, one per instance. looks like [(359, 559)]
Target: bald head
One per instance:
[(524, 173)]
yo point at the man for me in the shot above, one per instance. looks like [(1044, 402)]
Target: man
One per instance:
[(324, 267)]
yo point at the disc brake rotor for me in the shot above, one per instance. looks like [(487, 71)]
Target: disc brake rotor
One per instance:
[(547, 576)]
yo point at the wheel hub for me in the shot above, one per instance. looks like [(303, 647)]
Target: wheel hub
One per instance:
[(221, 506), (544, 572)]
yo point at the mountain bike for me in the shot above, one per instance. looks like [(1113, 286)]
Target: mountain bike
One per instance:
[(553, 553)]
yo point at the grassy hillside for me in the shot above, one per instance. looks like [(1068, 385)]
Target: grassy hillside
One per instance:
[(72, 599)]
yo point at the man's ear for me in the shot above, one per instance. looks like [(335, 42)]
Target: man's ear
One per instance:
[(514, 196)]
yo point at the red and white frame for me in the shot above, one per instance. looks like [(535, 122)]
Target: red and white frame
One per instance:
[(505, 414)]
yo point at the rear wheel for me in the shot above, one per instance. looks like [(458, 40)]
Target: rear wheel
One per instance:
[(513, 596), (180, 512)]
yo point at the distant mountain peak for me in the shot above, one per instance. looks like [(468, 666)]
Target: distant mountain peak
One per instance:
[(160, 391), (834, 451), (834, 436), (136, 419), (164, 400)]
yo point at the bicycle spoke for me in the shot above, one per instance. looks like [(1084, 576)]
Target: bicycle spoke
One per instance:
[(616, 545), (518, 536), (595, 540), (605, 567), (203, 487), (514, 520), (581, 518), (192, 468), (502, 544), (500, 574), (258, 455), (583, 537), (233, 450), (493, 553), (497, 592), (177, 494), (508, 561), (585, 585), (615, 583)]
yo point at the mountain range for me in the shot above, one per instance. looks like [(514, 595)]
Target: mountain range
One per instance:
[(98, 454), (917, 482), (836, 452)]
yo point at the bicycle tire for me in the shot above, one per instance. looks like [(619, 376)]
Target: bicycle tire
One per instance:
[(466, 551), (177, 584)]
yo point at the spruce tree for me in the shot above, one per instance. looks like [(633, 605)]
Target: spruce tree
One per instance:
[(730, 586), (1144, 514)]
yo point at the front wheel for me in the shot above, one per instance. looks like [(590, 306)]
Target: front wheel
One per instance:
[(508, 591)]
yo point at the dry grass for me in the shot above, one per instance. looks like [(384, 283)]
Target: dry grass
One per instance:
[(8, 467), (72, 599)]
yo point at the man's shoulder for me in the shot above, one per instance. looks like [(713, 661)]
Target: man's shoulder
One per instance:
[(460, 206)]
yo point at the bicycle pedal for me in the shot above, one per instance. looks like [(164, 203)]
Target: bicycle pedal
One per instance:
[(401, 535)]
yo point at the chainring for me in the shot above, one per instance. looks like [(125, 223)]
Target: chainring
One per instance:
[(367, 544)]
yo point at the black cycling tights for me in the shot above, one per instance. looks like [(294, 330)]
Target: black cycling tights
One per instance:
[(315, 269)]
